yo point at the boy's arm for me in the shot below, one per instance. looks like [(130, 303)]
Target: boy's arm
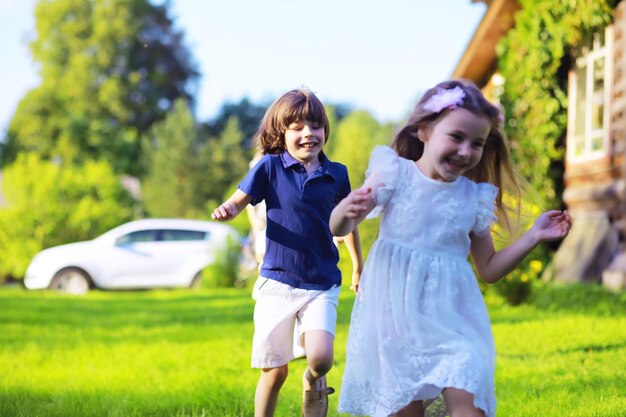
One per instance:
[(492, 266), (353, 244), (229, 209)]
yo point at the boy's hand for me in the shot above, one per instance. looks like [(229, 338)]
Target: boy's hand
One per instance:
[(225, 212), (552, 225)]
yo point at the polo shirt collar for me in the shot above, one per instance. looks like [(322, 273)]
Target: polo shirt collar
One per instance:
[(289, 161)]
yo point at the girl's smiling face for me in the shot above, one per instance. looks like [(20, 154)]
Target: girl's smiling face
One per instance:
[(453, 145), (304, 140)]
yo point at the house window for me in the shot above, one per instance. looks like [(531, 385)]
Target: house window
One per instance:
[(589, 99)]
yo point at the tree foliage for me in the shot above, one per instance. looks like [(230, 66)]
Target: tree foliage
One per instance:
[(336, 113), (223, 162), (353, 140), (109, 69), (248, 115), (50, 204), (170, 155), (534, 58)]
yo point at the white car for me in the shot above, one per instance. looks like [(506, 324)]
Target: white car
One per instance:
[(144, 253)]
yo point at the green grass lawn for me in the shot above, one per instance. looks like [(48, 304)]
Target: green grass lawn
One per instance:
[(187, 353)]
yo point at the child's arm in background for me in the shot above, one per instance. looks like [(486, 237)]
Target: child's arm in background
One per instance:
[(492, 266), (229, 209), (256, 223), (353, 244)]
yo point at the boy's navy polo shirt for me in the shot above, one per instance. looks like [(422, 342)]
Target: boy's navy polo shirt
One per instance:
[(299, 246)]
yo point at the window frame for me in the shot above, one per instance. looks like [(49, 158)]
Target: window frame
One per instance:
[(590, 58), (127, 240), (159, 235), (174, 235)]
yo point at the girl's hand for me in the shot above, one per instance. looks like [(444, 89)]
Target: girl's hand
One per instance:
[(225, 212), (356, 202), (351, 210), (552, 225)]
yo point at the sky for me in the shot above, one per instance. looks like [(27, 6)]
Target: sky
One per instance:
[(377, 56)]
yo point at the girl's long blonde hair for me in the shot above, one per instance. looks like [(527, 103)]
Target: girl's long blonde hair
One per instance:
[(495, 166), (294, 105)]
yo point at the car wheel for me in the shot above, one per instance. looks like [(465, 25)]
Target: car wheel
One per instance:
[(196, 281), (71, 281)]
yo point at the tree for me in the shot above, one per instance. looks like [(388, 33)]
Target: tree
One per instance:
[(50, 204), (223, 161), (353, 140), (109, 69), (170, 155), (248, 115), (336, 113)]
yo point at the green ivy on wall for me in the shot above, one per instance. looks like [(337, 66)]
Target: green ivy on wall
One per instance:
[(534, 58)]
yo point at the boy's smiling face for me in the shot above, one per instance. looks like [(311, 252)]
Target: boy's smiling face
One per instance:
[(304, 140)]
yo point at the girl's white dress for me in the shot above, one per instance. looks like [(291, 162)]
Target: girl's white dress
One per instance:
[(420, 323)]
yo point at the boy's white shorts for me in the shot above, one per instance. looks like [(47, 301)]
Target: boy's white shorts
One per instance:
[(282, 314)]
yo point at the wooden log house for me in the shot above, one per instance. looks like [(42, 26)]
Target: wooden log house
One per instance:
[(595, 163)]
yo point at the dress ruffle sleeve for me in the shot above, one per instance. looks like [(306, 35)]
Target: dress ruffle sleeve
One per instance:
[(486, 207), (383, 173)]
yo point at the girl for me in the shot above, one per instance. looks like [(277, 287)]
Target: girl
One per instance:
[(420, 326), (299, 280)]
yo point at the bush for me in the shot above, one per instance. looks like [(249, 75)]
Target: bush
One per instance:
[(516, 287), (49, 204), (225, 272)]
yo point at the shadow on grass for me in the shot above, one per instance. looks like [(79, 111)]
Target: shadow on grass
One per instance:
[(589, 299), (594, 348), (550, 300)]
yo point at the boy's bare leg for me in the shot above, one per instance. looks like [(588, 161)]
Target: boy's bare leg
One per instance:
[(318, 345), (414, 409), (267, 390)]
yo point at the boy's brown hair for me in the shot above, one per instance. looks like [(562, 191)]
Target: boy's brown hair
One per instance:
[(294, 105)]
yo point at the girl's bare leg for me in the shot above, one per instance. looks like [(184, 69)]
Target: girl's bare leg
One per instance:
[(414, 409), (267, 390), (460, 403)]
